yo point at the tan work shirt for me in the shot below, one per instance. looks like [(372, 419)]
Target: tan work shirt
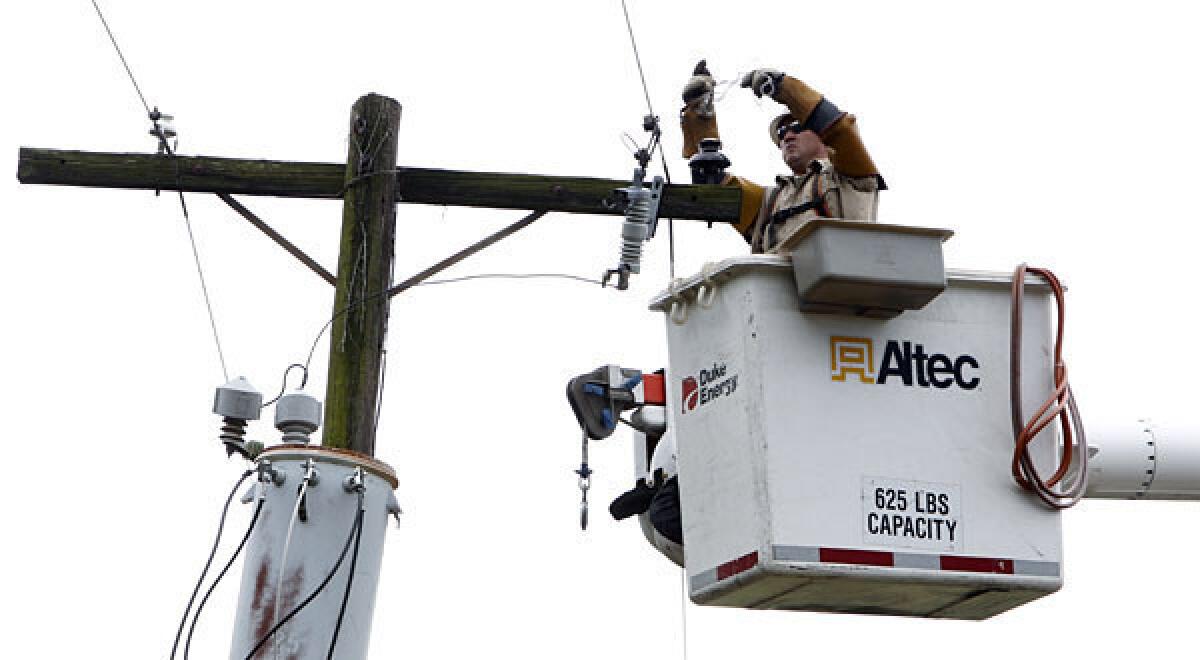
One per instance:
[(821, 192)]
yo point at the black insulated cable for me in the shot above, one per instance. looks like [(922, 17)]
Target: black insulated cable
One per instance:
[(349, 582), (208, 564), (316, 592), (283, 388), (187, 646)]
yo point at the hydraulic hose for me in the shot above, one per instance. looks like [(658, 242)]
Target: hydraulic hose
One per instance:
[(1060, 405)]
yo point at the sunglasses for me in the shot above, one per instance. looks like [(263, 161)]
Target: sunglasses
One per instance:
[(794, 127)]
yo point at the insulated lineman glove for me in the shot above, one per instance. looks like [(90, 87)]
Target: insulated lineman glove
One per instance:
[(698, 91), (698, 118), (814, 112), (763, 82)]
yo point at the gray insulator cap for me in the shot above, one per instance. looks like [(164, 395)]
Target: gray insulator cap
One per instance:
[(297, 414), (238, 399)]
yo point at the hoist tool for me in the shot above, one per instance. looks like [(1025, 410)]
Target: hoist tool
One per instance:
[(598, 398)]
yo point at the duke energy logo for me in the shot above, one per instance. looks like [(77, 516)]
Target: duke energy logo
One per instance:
[(708, 386), (906, 360)]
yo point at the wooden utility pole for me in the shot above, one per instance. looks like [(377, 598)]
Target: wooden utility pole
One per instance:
[(370, 184), (360, 308)]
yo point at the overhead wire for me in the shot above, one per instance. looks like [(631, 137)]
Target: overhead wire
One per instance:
[(283, 388), (656, 142), (657, 136), (450, 280), (154, 116), (121, 55), (212, 319), (636, 56), (513, 276)]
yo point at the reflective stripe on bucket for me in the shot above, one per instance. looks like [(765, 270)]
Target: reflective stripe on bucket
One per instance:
[(879, 559)]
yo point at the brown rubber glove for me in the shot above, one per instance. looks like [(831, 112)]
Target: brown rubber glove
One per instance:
[(838, 130), (698, 118)]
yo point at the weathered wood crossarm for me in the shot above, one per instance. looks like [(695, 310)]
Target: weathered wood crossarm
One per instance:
[(235, 176)]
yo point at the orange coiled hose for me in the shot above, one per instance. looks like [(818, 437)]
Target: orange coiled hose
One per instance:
[(1065, 486)]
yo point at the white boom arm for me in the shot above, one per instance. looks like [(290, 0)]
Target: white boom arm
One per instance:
[(1144, 461)]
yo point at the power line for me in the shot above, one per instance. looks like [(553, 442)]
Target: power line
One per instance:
[(212, 319), (513, 276), (636, 57), (159, 132), (662, 152), (450, 280), (113, 39)]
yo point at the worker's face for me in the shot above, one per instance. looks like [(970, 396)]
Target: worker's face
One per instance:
[(801, 148)]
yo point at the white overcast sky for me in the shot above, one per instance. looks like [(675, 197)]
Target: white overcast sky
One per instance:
[(1062, 134)]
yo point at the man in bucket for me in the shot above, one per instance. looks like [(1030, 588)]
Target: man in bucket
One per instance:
[(832, 175)]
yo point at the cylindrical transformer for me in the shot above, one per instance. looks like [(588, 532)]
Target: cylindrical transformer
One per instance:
[(295, 546), (1141, 460)]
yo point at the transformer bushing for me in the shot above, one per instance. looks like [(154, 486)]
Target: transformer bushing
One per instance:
[(297, 415)]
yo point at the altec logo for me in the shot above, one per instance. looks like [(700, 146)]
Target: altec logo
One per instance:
[(707, 386), (855, 356)]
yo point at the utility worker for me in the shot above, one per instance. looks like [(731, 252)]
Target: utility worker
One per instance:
[(832, 173)]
